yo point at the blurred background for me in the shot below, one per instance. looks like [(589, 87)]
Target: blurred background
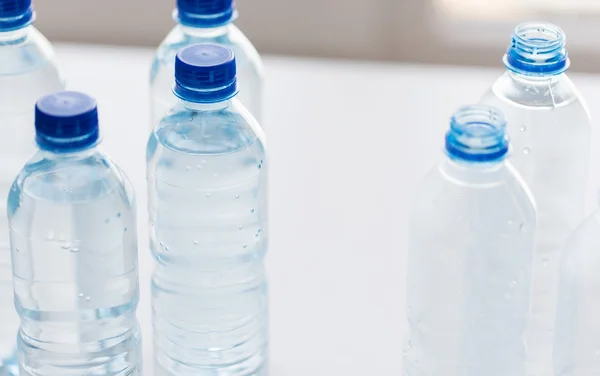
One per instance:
[(461, 32)]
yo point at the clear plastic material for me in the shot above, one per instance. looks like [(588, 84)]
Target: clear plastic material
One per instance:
[(577, 336), (249, 67), (471, 240), (207, 177), (74, 250), (549, 127), (28, 70)]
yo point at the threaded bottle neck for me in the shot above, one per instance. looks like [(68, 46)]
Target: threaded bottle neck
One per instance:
[(537, 49), (477, 134)]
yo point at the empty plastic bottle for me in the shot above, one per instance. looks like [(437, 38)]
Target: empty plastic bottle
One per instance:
[(205, 21), (549, 126), (74, 250), (208, 224), (471, 241), (577, 335), (28, 70)]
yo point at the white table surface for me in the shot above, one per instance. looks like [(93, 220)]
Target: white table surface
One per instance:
[(348, 144)]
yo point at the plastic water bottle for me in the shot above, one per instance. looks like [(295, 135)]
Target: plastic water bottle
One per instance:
[(549, 126), (28, 70), (205, 21), (74, 250), (471, 247), (577, 336), (208, 225)]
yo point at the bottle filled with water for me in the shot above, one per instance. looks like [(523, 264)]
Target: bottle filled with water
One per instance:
[(577, 330), (74, 250), (208, 224), (28, 70), (207, 21), (549, 126), (471, 245)]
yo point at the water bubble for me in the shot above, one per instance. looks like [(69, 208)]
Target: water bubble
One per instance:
[(188, 168), (523, 128), (87, 298), (50, 235), (208, 194), (74, 249), (526, 150), (510, 222), (118, 215), (259, 166), (81, 295), (513, 283), (125, 229), (240, 227), (259, 230), (545, 262), (244, 246), (107, 220), (251, 210), (507, 296), (203, 161), (162, 244), (522, 227), (196, 242), (199, 166), (261, 161), (237, 197), (167, 249)]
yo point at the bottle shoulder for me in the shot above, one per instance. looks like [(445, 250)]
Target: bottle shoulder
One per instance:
[(223, 131), (538, 94), (467, 185), (71, 178), (28, 52)]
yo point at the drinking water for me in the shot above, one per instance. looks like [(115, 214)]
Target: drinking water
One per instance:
[(208, 21), (73, 238), (471, 242), (207, 186), (549, 126), (28, 70)]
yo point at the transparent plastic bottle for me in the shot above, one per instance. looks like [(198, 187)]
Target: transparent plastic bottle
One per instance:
[(577, 334), (28, 70), (549, 127), (471, 242), (207, 184), (205, 21), (74, 250)]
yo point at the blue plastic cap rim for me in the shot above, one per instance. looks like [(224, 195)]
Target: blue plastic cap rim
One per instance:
[(66, 121), (205, 13), (15, 14), (477, 134), (205, 73)]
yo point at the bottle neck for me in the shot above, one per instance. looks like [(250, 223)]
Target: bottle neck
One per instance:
[(205, 32), (206, 106), (75, 154), (14, 36), (473, 173), (542, 80)]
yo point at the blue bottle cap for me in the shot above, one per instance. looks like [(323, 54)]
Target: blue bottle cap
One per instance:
[(205, 13), (15, 14), (477, 134), (66, 121), (537, 49), (205, 73)]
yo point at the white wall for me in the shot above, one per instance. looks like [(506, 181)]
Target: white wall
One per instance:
[(395, 30)]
